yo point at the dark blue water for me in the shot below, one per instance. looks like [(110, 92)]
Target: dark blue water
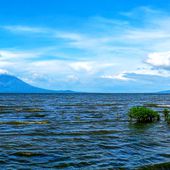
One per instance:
[(79, 131)]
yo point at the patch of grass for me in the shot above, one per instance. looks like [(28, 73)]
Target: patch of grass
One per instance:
[(7, 109), (31, 110), (156, 105), (27, 154), (35, 115), (168, 120), (25, 123), (143, 115), (166, 113), (151, 105)]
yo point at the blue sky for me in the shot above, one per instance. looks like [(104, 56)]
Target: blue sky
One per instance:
[(92, 45)]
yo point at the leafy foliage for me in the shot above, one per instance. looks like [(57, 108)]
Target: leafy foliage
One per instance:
[(168, 120), (143, 114), (166, 113)]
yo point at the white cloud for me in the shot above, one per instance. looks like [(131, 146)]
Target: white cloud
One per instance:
[(159, 59), (82, 66), (100, 48), (22, 28), (18, 54), (2, 71), (151, 72), (121, 76)]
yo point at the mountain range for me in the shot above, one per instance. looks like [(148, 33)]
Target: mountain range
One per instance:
[(165, 92), (12, 84)]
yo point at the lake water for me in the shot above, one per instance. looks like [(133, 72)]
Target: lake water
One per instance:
[(79, 131)]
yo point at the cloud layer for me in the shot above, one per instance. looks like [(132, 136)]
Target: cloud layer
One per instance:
[(125, 54)]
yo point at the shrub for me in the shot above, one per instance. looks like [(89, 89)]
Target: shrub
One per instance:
[(143, 114), (168, 120), (166, 113)]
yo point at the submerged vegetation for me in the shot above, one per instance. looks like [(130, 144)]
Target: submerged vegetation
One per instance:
[(27, 154), (25, 122), (156, 105), (31, 110), (166, 113), (143, 114), (151, 105), (6, 109), (168, 120)]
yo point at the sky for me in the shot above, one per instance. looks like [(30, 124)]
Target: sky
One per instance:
[(87, 45)]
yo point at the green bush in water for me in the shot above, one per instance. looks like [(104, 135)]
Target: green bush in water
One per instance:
[(143, 114), (168, 120), (166, 113)]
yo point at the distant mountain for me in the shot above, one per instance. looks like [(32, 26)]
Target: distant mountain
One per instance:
[(166, 91), (12, 84)]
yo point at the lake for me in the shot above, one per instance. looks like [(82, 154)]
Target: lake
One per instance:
[(80, 131)]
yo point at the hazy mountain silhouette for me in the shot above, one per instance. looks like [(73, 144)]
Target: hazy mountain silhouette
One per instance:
[(166, 91), (12, 84)]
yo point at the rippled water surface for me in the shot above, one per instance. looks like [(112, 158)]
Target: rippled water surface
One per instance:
[(79, 131)]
